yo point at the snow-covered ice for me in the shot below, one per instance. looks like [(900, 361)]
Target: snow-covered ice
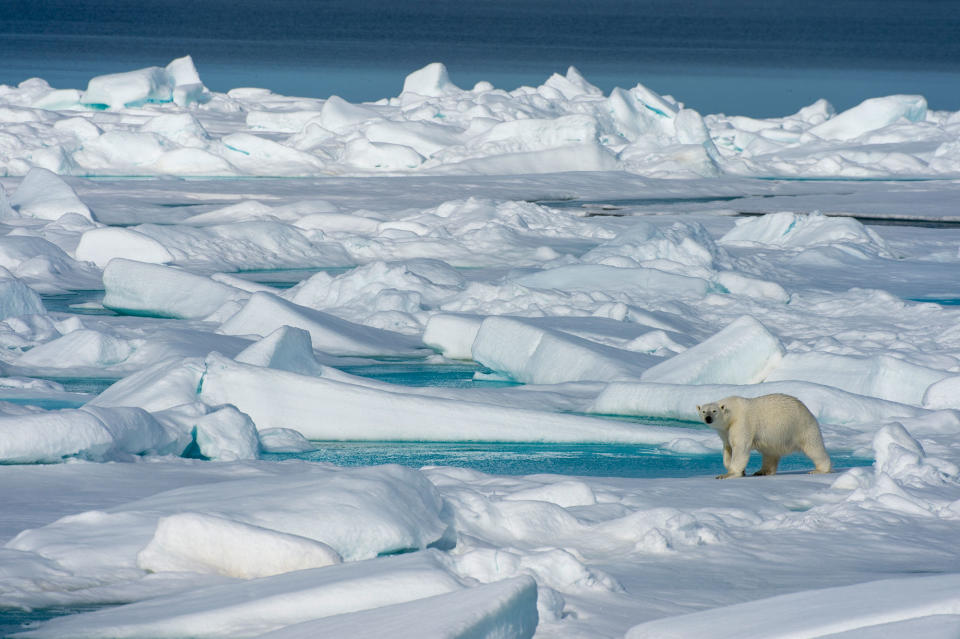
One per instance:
[(173, 344)]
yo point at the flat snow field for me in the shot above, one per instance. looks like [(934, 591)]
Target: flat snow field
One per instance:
[(199, 289)]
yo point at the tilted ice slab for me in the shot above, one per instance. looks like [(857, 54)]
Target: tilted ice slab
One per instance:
[(898, 602), (104, 244), (43, 194), (96, 433), (45, 266), (453, 334), (197, 542), (16, 298), (265, 313), (534, 355), (327, 409), (138, 288), (882, 376), (255, 607), (743, 352), (506, 608)]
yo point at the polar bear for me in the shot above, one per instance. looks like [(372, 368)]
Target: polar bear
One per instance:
[(775, 425)]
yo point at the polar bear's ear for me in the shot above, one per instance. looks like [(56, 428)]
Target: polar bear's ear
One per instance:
[(698, 408)]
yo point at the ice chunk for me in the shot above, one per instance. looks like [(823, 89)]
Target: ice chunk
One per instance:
[(364, 154), (566, 493), (880, 376), (16, 298), (44, 194), (870, 115), (287, 349), (182, 72), (170, 382), (121, 151), (816, 613), (793, 230), (598, 277), (943, 394), (254, 607), (901, 457), (280, 121), (673, 249), (329, 410), (426, 138), (264, 313), (179, 128), (58, 100), (118, 90), (284, 440), (452, 335), (138, 288), (196, 542), (338, 115), (571, 85), (152, 84), (250, 153), (79, 348), (104, 244), (226, 434), (743, 352), (536, 355), (430, 81), (44, 265), (90, 433), (503, 609)]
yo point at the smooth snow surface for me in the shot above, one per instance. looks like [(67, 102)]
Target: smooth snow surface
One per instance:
[(202, 293)]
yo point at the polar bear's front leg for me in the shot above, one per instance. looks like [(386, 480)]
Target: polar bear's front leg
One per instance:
[(736, 459)]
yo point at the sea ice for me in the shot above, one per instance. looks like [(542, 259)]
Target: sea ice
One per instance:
[(430, 220), (818, 613), (327, 409), (536, 355), (195, 542), (91, 433), (43, 194), (265, 313), (178, 82), (254, 607), (743, 352), (139, 288)]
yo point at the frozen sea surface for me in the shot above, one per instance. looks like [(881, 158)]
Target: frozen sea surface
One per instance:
[(430, 365)]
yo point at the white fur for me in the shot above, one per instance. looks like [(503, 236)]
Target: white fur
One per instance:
[(775, 425)]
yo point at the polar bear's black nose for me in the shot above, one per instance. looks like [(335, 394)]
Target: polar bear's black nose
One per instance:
[(708, 419)]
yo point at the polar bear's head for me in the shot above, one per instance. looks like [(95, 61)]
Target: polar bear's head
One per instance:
[(713, 414)]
